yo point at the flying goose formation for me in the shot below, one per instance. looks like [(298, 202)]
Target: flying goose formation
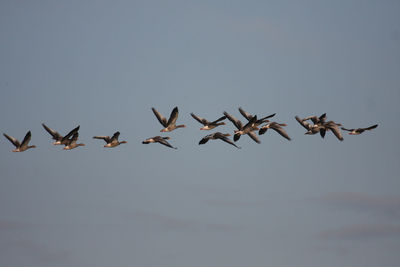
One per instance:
[(317, 124)]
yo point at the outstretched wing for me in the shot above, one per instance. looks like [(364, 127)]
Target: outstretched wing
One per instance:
[(160, 117), (267, 117), (165, 143), (335, 130), (254, 137), (281, 131), (173, 117), (13, 140), (245, 114), (220, 119), (71, 133), (27, 138), (302, 123), (105, 138), (235, 121), (371, 127), (349, 130), (54, 134), (115, 136), (199, 119), (225, 139), (205, 139)]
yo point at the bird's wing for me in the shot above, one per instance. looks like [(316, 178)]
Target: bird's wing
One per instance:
[(322, 132), (371, 127), (225, 139), (105, 138), (54, 134), (205, 139), (75, 136), (220, 119), (281, 131), (173, 117), (115, 136), (165, 143), (254, 137), (199, 119), (71, 133), (27, 138), (336, 131), (238, 124), (160, 117), (350, 130), (245, 114), (13, 140), (303, 123), (267, 117), (322, 118)]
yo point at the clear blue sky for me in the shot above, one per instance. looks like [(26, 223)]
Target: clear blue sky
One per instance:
[(104, 64)]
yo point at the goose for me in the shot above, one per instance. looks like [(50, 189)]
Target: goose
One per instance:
[(207, 124), (59, 139), (311, 129), (247, 129), (20, 147), (111, 141), (275, 126), (359, 130), (215, 136), (169, 125), (248, 116), (71, 143), (159, 139)]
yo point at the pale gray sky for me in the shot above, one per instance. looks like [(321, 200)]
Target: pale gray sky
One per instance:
[(104, 64)]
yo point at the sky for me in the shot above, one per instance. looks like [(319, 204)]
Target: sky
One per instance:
[(103, 65)]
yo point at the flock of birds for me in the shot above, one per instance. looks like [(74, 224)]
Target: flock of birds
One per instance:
[(317, 125)]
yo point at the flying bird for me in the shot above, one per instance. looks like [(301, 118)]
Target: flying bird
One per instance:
[(359, 130), (159, 139), (111, 141), (276, 127), (71, 143), (312, 128), (169, 125), (59, 139), (20, 147), (215, 136), (246, 129), (207, 124)]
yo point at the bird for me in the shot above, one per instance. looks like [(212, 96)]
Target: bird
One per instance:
[(359, 130), (111, 141), (207, 124), (248, 116), (215, 136), (169, 125), (20, 147), (311, 129), (159, 139), (71, 143), (334, 127), (274, 126), (59, 139), (246, 129)]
